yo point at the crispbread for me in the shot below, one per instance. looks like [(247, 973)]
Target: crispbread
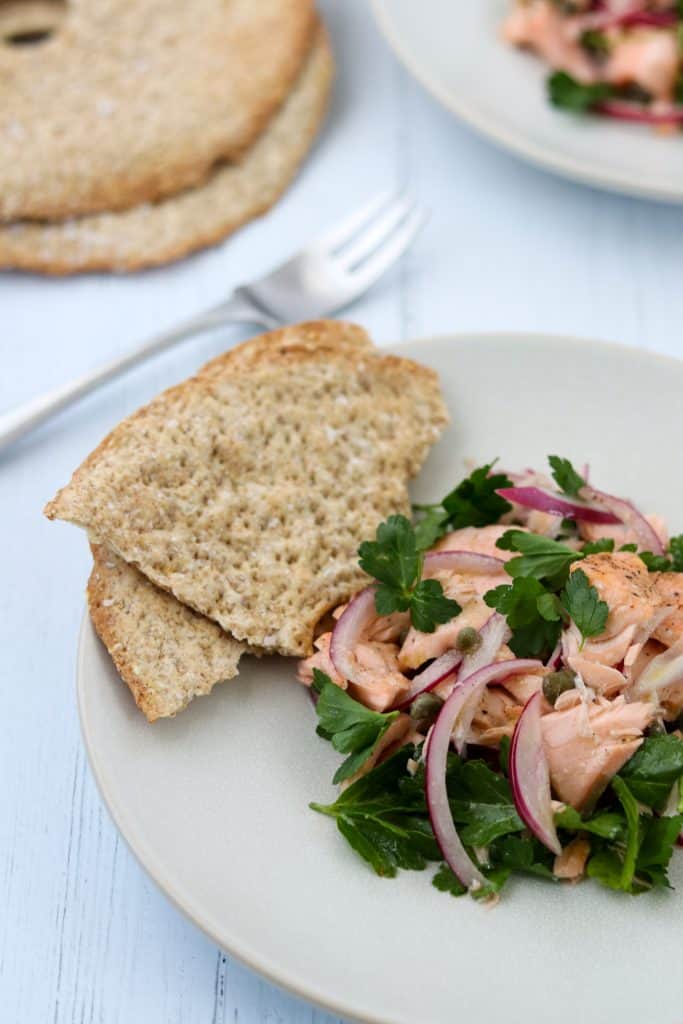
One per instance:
[(165, 652), (157, 233), (246, 490), (132, 100)]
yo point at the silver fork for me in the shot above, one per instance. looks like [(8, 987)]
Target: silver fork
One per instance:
[(327, 275)]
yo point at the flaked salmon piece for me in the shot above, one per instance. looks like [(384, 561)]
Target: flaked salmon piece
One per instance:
[(523, 687), (495, 717), (623, 581), (540, 26), (571, 863), (620, 533), (420, 647), (586, 745), (479, 539), (669, 588), (320, 660), (669, 699), (380, 682), (604, 680), (647, 57)]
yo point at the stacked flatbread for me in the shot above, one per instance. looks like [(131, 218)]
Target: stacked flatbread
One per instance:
[(134, 132), (226, 515)]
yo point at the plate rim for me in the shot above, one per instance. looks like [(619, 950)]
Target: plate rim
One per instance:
[(563, 167), (151, 866)]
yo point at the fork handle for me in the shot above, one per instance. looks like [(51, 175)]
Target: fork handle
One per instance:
[(19, 421)]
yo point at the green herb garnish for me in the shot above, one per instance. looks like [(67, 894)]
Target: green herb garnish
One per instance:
[(565, 92), (395, 560), (565, 476), (350, 727)]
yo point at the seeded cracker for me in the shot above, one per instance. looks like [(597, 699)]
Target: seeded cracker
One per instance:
[(166, 653), (156, 233), (132, 100), (246, 490)]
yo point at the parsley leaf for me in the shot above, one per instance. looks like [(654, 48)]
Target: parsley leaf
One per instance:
[(474, 501), (630, 805), (605, 824), (523, 854), (655, 563), (565, 476), (446, 881), (540, 557), (526, 605), (676, 550), (430, 606), (350, 727), (565, 92), (596, 547), (394, 559), (653, 770), (385, 823), (583, 605), (432, 525), (480, 801)]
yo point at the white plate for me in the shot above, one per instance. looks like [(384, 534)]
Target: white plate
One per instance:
[(454, 49), (214, 803)]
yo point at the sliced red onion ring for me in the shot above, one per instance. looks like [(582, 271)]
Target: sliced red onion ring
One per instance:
[(494, 633), (623, 110), (438, 672), (555, 504), (348, 631), (629, 515), (626, 15), (530, 777), (662, 671), (447, 837), (462, 561)]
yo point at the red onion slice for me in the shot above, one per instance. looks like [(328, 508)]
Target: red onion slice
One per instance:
[(622, 110), (555, 504), (348, 632), (494, 633), (662, 671), (462, 562), (629, 15), (438, 672), (446, 834), (629, 515), (530, 777)]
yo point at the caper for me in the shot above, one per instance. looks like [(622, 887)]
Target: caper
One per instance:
[(556, 683), (467, 640), (425, 708)]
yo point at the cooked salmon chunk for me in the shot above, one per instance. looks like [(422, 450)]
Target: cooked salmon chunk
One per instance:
[(586, 745)]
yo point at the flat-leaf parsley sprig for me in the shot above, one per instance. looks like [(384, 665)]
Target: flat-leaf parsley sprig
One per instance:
[(544, 596), (395, 560)]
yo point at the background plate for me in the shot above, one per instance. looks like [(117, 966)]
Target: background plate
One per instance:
[(214, 803), (455, 51)]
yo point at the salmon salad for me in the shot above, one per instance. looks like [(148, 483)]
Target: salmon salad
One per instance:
[(507, 690), (622, 59)]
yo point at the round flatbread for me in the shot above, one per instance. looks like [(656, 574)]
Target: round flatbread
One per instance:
[(121, 102), (157, 233)]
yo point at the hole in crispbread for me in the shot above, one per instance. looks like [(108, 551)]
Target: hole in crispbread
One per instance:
[(30, 22)]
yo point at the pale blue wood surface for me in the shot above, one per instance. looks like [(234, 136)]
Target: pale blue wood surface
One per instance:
[(84, 935)]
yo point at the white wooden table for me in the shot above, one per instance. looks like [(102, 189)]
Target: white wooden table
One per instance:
[(84, 935)]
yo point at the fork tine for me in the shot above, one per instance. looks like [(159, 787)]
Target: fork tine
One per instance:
[(344, 230), (378, 231), (391, 251)]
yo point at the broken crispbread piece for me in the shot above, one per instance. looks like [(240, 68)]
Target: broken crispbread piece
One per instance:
[(166, 653), (246, 490)]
